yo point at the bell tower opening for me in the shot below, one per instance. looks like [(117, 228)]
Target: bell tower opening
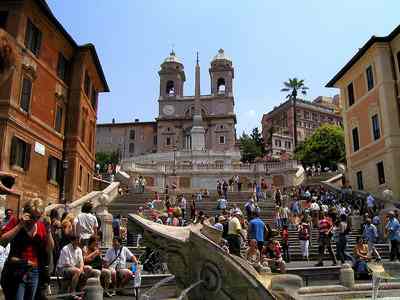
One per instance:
[(170, 88), (221, 86)]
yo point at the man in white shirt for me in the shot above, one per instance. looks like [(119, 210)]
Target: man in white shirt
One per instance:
[(86, 224), (70, 265), (116, 258), (4, 251)]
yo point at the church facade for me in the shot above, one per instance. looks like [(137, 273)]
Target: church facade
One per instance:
[(181, 119)]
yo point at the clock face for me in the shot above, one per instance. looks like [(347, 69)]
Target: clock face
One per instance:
[(168, 110)]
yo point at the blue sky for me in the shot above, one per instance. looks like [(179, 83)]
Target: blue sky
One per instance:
[(268, 41)]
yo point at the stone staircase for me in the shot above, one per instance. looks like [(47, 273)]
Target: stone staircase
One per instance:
[(131, 202)]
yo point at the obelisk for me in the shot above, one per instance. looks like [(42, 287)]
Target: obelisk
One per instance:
[(198, 132)]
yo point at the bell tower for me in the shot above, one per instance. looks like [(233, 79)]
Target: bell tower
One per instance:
[(221, 74), (172, 77)]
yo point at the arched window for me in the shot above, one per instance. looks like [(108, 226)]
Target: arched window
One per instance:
[(221, 86), (131, 148), (170, 88)]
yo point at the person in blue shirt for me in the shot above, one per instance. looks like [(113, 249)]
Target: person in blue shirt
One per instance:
[(370, 234), (256, 230), (393, 233)]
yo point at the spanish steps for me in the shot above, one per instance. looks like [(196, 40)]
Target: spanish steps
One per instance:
[(130, 203)]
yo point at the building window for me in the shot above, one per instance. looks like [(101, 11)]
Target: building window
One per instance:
[(59, 118), (132, 134), (80, 175), (83, 127), (62, 67), (278, 143), (398, 60), (314, 116), (381, 172), (360, 184), (155, 140), (3, 19), (33, 38), (350, 94), (168, 141), (54, 169), (88, 182), (20, 153), (288, 145), (370, 78), (131, 148), (375, 127), (356, 142), (26, 94), (222, 139), (87, 84), (306, 115)]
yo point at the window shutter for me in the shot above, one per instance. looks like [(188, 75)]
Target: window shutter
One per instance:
[(49, 168), (13, 151), (27, 156), (28, 33), (38, 42), (59, 171)]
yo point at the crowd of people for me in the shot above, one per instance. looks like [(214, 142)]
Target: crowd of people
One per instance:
[(309, 211), (36, 246)]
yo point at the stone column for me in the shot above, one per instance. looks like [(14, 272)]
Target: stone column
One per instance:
[(106, 221)]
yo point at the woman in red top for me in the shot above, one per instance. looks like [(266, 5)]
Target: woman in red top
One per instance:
[(28, 239)]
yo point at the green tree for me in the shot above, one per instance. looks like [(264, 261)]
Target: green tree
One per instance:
[(325, 146), (294, 86), (251, 146), (105, 158)]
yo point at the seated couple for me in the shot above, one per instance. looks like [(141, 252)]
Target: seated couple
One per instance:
[(76, 266)]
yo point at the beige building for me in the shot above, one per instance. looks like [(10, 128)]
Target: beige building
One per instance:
[(172, 130), (128, 139), (369, 88)]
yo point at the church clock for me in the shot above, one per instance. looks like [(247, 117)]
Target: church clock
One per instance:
[(168, 110)]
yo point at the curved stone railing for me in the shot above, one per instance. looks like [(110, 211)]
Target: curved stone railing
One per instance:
[(97, 198), (194, 256)]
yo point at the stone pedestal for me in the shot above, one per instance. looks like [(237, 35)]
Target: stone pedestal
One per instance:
[(106, 221), (347, 276), (93, 289), (198, 134)]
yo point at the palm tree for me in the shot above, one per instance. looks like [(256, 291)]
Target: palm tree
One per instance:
[(294, 86)]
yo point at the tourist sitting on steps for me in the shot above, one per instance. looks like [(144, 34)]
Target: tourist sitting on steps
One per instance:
[(71, 266), (361, 258), (272, 256), (115, 260), (92, 258), (253, 256)]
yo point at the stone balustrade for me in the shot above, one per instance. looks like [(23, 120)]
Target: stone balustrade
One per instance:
[(100, 201)]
